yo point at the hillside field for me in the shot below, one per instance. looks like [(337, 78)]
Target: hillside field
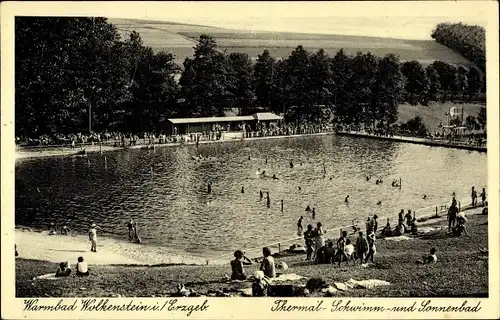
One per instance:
[(179, 39), (434, 113)]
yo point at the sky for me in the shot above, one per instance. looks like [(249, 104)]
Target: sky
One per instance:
[(407, 20)]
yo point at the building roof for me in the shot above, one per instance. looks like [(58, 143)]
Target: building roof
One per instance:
[(210, 119), (261, 116), (266, 116)]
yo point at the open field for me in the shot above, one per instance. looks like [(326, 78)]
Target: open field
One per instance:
[(461, 270), (180, 38)]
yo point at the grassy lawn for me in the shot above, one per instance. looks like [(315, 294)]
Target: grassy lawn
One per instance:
[(434, 113), (461, 271)]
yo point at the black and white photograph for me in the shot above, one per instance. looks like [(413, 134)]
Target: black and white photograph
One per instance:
[(220, 150)]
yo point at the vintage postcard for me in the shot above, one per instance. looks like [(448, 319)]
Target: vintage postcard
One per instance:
[(250, 160)]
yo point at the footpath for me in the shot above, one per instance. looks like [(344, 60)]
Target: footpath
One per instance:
[(416, 140)]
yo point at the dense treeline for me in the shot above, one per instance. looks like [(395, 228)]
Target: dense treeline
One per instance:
[(469, 41), (68, 68)]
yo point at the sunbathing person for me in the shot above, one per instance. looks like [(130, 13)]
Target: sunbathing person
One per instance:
[(399, 230), (459, 229), (64, 270), (267, 265), (429, 259), (414, 227), (238, 272), (82, 268), (387, 231)]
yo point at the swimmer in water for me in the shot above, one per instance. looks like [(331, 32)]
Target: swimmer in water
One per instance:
[(308, 208), (275, 177), (248, 157), (379, 203), (300, 188), (368, 178), (424, 197), (346, 199), (331, 178), (264, 172)]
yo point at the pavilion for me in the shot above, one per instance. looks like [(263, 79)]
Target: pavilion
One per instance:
[(227, 123)]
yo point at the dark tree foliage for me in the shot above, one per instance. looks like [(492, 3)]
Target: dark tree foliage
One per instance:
[(474, 82), (469, 41), (388, 92), (241, 82), (481, 117), (417, 82), (68, 67), (415, 126), (264, 80), (209, 80), (447, 77)]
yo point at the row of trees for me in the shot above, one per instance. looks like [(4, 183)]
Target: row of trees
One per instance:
[(469, 41), (68, 68)]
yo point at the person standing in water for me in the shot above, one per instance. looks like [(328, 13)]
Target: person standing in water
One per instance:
[(268, 200), (242, 189), (291, 164), (281, 205), (314, 213), (209, 188), (261, 195)]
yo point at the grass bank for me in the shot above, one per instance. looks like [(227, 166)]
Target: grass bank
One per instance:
[(461, 271)]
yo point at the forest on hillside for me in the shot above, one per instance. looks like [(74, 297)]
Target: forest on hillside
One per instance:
[(469, 41), (69, 68)]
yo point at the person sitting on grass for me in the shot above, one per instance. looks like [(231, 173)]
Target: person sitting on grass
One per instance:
[(82, 268), (326, 254), (414, 227), (399, 230), (238, 272), (64, 270), (259, 286), (387, 231), (459, 229), (429, 259), (267, 265)]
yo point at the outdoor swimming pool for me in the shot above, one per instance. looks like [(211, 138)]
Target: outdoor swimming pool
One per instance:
[(172, 208)]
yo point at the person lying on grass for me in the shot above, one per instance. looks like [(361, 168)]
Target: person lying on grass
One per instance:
[(64, 270), (238, 272)]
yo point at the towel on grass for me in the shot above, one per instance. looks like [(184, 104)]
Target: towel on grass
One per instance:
[(361, 284), (287, 277), (48, 276), (400, 238)]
